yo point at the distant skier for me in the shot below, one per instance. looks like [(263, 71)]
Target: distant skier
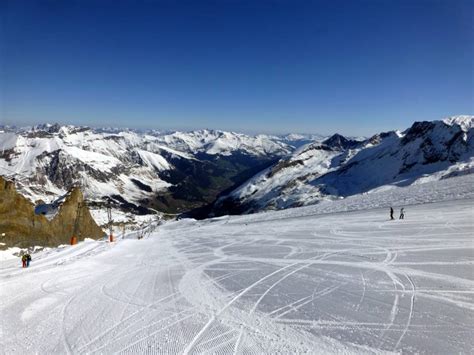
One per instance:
[(391, 213), (23, 260), (402, 213), (27, 259)]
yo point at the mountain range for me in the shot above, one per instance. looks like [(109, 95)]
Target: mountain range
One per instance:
[(211, 172), (136, 171)]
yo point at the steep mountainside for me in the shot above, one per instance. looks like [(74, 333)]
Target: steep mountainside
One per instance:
[(171, 172), (340, 167), (21, 227)]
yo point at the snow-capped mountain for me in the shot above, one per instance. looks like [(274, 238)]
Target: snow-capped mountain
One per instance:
[(215, 142), (339, 167), (298, 140), (179, 171), (168, 171)]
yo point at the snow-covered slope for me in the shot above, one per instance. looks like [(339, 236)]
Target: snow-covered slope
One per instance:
[(53, 159), (427, 150), (131, 167), (284, 282), (340, 167)]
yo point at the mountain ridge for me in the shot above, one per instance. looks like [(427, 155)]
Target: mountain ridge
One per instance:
[(340, 167), (172, 172), (177, 172)]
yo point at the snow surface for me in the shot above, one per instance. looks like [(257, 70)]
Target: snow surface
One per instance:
[(7, 140), (293, 281), (154, 160), (10, 253)]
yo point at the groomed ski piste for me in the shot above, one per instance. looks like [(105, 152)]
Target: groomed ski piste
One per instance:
[(338, 277)]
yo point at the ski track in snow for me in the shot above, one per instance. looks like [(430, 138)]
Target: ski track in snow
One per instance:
[(350, 282)]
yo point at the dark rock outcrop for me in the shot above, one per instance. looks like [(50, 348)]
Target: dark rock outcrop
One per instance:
[(340, 142), (21, 227)]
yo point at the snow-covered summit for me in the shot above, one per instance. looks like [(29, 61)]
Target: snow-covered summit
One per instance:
[(338, 141), (466, 122)]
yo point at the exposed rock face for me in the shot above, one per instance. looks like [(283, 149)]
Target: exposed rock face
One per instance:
[(340, 142), (21, 227)]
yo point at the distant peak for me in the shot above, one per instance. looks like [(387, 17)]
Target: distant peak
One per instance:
[(340, 142), (337, 136), (464, 121), (52, 128), (48, 127)]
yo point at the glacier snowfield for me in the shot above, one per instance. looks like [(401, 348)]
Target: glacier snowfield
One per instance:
[(286, 282)]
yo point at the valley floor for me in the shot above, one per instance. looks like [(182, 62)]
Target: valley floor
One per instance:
[(348, 282)]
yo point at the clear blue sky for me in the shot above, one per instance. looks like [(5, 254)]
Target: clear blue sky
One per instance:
[(352, 66)]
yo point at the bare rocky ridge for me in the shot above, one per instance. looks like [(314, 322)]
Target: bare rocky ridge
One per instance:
[(21, 227)]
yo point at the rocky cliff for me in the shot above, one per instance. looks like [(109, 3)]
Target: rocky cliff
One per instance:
[(21, 227)]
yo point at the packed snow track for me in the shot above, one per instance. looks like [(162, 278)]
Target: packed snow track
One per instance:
[(351, 282)]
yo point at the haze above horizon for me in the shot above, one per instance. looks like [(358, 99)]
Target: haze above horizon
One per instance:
[(353, 67)]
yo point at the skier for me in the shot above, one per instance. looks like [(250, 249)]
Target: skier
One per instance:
[(391, 213), (402, 213), (23, 260), (28, 260)]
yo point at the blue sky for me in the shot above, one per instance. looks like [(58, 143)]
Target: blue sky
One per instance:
[(355, 67)]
